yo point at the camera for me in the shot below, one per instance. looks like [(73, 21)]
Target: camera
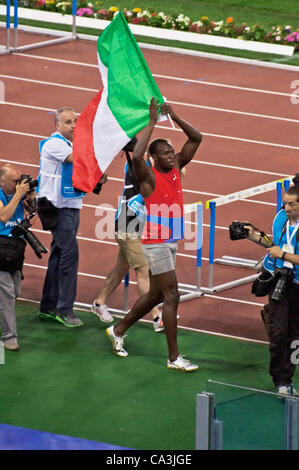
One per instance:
[(284, 275), (22, 229), (32, 182), (237, 230)]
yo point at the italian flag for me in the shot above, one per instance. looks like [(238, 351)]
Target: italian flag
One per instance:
[(119, 111)]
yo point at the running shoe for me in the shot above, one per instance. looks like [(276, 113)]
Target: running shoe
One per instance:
[(117, 342), (102, 312), (69, 320), (287, 391), (182, 364), (48, 314), (158, 324)]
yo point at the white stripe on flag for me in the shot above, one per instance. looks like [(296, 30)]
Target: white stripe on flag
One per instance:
[(108, 136)]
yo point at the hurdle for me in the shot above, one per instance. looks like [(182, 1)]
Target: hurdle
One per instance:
[(15, 48), (189, 292), (193, 292), (230, 260)]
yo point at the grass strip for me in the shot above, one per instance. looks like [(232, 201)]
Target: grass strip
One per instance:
[(286, 60)]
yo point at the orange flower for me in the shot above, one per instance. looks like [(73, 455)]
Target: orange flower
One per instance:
[(229, 20), (204, 18)]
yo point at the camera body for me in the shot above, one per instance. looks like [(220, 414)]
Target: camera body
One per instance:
[(237, 230), (22, 229), (32, 182), (284, 275)]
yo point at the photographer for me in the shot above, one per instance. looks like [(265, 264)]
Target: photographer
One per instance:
[(59, 205), (14, 197), (282, 261)]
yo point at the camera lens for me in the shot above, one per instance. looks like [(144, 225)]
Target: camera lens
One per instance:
[(35, 244)]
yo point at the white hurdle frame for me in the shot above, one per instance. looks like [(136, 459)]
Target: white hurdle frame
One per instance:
[(229, 260), (195, 291), (8, 49)]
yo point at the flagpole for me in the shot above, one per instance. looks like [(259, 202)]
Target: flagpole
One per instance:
[(171, 121)]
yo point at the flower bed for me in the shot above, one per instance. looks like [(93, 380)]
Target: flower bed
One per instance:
[(281, 34)]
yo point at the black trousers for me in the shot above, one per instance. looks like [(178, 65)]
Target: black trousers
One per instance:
[(60, 285), (283, 329)]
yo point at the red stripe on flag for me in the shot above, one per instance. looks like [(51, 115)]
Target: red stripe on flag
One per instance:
[(86, 171)]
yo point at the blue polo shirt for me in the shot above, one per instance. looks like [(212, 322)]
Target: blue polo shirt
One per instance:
[(6, 228), (279, 225)]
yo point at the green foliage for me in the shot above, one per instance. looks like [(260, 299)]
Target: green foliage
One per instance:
[(227, 26), (261, 15)]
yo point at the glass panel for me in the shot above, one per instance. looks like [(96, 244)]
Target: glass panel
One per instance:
[(252, 419)]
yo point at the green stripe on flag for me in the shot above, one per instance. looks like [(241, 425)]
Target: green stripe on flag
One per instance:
[(130, 82)]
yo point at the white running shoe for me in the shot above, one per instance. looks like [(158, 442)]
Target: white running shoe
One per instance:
[(182, 365), (158, 323), (102, 312), (287, 391), (117, 342)]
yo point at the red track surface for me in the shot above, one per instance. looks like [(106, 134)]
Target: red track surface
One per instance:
[(204, 83)]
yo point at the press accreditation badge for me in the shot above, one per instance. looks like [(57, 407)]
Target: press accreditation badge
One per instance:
[(288, 249)]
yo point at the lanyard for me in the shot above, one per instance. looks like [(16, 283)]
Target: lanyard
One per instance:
[(290, 238)]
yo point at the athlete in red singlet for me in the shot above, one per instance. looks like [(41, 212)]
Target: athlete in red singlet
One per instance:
[(161, 190)]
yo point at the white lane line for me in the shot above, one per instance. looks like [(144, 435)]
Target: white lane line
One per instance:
[(218, 136), (52, 59), (250, 141), (167, 77), (21, 105), (25, 134), (157, 126), (232, 111), (41, 82), (190, 105), (85, 308), (178, 103), (223, 85), (96, 276), (239, 139), (240, 168)]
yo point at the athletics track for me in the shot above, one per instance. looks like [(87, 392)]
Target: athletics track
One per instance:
[(250, 130)]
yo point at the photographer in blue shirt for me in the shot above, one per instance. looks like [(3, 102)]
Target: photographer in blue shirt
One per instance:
[(13, 196), (282, 312)]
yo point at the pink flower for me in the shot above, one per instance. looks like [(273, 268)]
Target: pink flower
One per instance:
[(85, 11)]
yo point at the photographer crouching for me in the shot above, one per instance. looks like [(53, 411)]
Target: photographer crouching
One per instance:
[(281, 275), (16, 194)]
